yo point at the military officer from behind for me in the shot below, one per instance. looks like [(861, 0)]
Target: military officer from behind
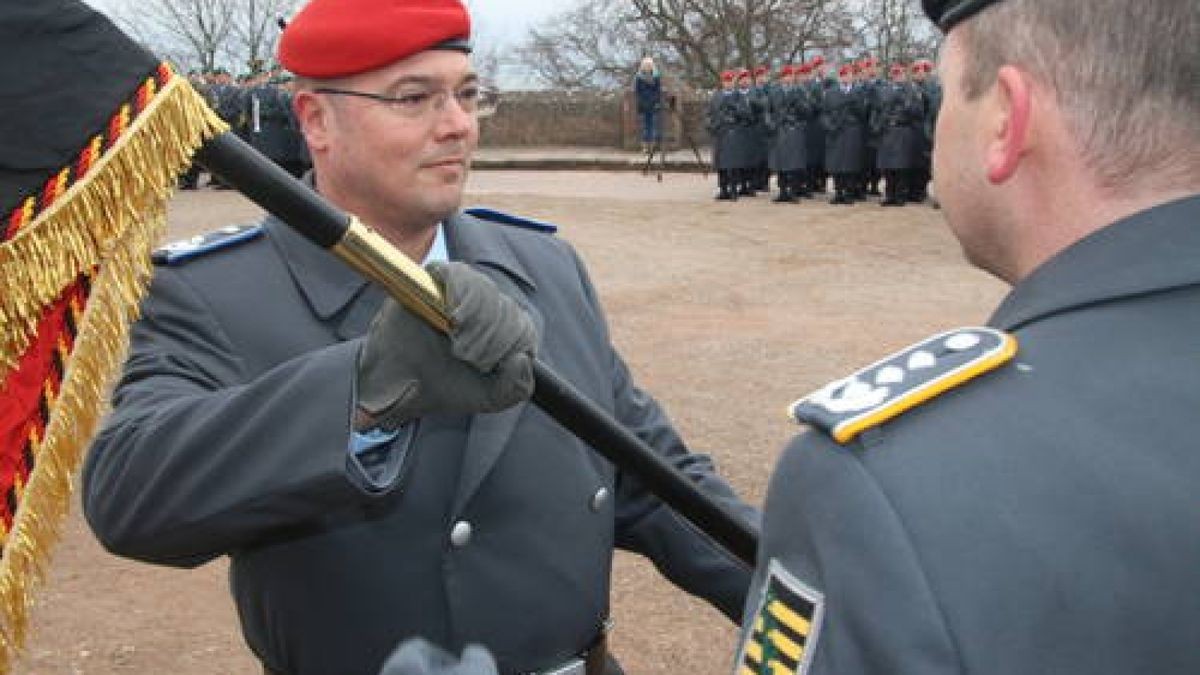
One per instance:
[(368, 482), (1019, 497)]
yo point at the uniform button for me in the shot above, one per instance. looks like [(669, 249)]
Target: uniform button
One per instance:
[(961, 342), (460, 534), (889, 375), (921, 360), (599, 499)]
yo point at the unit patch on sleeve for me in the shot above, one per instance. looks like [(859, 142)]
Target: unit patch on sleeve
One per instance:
[(786, 626), (904, 380)]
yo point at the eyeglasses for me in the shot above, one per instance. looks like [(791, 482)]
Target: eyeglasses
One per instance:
[(418, 103)]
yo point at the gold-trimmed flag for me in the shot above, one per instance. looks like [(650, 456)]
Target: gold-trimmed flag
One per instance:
[(95, 132)]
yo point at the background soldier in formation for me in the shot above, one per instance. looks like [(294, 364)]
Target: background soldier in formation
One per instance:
[(870, 84), (843, 114), (843, 124), (722, 124), (814, 78), (271, 124), (898, 120), (790, 112), (931, 94), (760, 93)]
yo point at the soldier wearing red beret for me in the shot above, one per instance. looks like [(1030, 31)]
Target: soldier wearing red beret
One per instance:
[(843, 115), (723, 120), (368, 482)]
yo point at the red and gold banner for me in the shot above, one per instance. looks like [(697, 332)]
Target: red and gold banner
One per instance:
[(74, 265)]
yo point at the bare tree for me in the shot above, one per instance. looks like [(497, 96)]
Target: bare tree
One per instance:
[(596, 43), (708, 36), (894, 30), (193, 33), (241, 34), (256, 29), (592, 44)]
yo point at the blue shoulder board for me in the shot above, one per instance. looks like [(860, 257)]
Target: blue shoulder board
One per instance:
[(509, 219), (179, 251)]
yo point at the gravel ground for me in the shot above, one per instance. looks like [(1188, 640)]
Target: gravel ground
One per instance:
[(725, 311)]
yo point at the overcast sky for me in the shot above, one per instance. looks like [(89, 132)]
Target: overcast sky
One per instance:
[(498, 22), (506, 21)]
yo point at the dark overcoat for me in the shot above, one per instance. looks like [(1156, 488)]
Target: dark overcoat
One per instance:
[(229, 437)]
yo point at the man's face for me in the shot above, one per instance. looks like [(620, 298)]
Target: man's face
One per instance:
[(958, 164), (403, 169)]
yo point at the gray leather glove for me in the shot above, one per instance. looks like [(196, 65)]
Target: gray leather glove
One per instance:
[(416, 656), (407, 369)]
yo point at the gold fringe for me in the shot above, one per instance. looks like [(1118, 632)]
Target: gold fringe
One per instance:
[(110, 220), (78, 230)]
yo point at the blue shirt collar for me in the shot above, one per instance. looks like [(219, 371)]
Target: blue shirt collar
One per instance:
[(437, 251)]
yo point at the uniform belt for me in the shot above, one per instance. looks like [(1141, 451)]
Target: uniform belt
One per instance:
[(594, 661)]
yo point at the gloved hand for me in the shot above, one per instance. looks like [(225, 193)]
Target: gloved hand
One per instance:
[(407, 369), (416, 656)]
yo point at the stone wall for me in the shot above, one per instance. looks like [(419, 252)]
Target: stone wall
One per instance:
[(604, 119)]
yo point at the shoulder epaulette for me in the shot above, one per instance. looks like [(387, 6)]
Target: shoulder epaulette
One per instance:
[(904, 380), (186, 249), (509, 219)]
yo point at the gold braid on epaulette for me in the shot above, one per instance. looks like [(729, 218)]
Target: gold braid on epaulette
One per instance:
[(75, 263)]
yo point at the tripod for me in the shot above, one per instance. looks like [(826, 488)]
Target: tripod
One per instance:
[(685, 135)]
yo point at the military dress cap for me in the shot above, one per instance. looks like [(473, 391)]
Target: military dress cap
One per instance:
[(336, 38), (948, 13)]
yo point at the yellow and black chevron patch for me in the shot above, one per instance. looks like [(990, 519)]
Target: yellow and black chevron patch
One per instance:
[(786, 625)]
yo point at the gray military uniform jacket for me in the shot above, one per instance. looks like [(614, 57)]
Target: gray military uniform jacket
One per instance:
[(1044, 518), (229, 437)]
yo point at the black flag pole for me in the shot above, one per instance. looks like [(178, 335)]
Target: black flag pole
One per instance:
[(371, 255)]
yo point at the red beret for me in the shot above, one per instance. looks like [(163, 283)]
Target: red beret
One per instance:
[(787, 69), (335, 38), (761, 70), (805, 68), (818, 60), (743, 73), (728, 75), (846, 69), (899, 67)]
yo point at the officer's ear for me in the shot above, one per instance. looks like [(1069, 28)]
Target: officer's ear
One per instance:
[(313, 113), (1010, 117)]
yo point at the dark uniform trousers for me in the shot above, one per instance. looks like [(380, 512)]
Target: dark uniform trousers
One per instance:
[(229, 437)]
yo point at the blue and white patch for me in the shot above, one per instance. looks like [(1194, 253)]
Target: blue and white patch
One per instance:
[(492, 215), (180, 251), (787, 623)]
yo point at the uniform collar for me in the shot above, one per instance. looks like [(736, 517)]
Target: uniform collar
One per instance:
[(474, 241), (1151, 251), (326, 282)]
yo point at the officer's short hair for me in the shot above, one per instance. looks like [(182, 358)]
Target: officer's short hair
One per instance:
[(1126, 73)]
